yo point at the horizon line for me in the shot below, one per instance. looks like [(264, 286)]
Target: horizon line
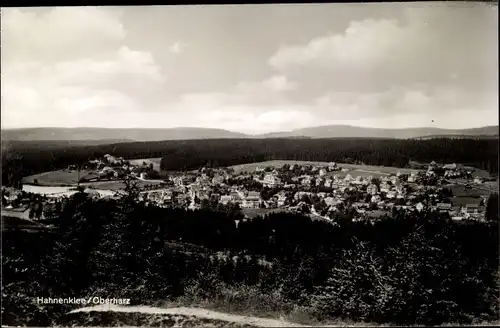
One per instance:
[(244, 133)]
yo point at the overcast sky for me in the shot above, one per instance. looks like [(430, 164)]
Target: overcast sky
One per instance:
[(251, 68)]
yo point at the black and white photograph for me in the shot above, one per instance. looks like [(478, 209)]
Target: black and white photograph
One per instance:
[(250, 165)]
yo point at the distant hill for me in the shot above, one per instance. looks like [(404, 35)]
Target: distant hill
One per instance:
[(132, 134), (459, 136), (53, 144), (103, 135), (348, 131)]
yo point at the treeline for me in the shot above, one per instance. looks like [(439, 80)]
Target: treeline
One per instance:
[(21, 159), (387, 152), (407, 269)]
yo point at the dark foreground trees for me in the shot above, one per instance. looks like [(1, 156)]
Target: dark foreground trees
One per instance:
[(407, 269)]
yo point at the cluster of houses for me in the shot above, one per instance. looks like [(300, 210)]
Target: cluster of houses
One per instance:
[(330, 186), (110, 167), (451, 171), (319, 190)]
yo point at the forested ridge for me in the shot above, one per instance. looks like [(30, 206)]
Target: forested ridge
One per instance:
[(22, 159), (406, 269)]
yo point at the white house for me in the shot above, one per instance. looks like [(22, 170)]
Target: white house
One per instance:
[(280, 198), (252, 200), (450, 166), (298, 195), (107, 169), (391, 194), (218, 179), (358, 180), (306, 181), (372, 189), (470, 209), (395, 179), (419, 207), (330, 201), (225, 199), (478, 180), (384, 187), (271, 181)]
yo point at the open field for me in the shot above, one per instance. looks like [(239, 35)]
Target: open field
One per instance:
[(49, 190), (117, 185), (155, 161), (21, 221), (459, 190), (478, 172), (59, 178), (356, 173), (23, 215), (64, 178), (490, 185), (355, 170)]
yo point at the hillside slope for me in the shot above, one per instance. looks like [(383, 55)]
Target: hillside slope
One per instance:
[(128, 134), (347, 131), (102, 135)]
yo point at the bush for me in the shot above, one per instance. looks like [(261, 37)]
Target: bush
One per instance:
[(411, 269)]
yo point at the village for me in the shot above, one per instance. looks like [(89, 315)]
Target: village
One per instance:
[(317, 190), (321, 191)]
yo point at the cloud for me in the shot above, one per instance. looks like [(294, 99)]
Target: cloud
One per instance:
[(433, 59), (401, 101), (93, 66), (273, 84), (279, 83), (61, 32), (256, 96), (64, 85), (430, 45), (244, 119), (363, 43), (176, 48), (127, 70)]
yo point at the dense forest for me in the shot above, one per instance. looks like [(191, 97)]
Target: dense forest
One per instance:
[(25, 158), (387, 152), (405, 269)]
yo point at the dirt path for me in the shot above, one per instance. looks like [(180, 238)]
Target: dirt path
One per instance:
[(193, 312)]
